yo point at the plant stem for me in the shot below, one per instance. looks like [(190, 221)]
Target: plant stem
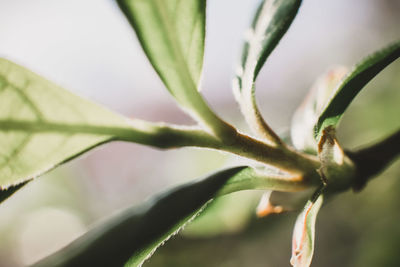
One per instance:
[(165, 136), (280, 157), (285, 158)]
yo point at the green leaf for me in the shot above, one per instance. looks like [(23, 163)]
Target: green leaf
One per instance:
[(347, 90), (223, 216), (140, 231), (304, 233), (43, 125), (306, 116), (271, 22), (172, 34)]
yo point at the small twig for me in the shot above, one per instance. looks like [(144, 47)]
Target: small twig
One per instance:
[(372, 160)]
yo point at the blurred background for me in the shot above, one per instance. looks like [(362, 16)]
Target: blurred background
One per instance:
[(89, 48)]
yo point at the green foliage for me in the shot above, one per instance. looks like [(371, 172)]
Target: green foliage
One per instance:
[(43, 126), (270, 23), (172, 36), (332, 94), (355, 81), (306, 116), (304, 233), (139, 231)]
